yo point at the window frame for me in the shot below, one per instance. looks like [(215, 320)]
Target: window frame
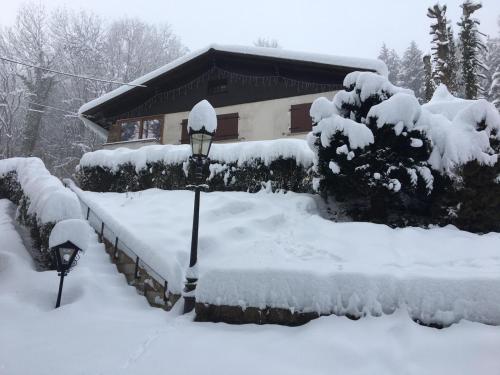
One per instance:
[(141, 120)]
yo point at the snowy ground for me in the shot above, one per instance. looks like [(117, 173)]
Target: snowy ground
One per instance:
[(275, 250), (104, 327)]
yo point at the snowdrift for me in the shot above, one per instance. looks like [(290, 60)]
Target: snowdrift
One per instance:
[(274, 250)]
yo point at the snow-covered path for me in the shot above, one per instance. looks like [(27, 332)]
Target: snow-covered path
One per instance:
[(104, 327)]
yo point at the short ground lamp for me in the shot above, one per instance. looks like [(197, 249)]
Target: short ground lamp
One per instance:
[(65, 257), (202, 124)]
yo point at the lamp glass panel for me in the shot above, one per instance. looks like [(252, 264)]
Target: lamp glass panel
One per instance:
[(200, 143), (66, 254)]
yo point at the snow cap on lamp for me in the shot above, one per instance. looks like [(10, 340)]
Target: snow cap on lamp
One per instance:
[(202, 118)]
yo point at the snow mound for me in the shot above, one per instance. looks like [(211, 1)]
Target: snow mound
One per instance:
[(368, 84), (464, 138), (459, 130), (77, 231), (263, 250), (202, 117), (240, 153), (49, 200), (358, 134), (401, 110), (321, 108), (444, 103)]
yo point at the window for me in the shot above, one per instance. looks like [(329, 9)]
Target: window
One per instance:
[(227, 128), (130, 130), (140, 128), (300, 120)]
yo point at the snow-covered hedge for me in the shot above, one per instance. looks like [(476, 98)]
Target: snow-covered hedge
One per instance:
[(41, 198), (244, 166), (398, 162)]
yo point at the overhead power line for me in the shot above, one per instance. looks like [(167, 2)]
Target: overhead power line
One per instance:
[(55, 108), (68, 74)]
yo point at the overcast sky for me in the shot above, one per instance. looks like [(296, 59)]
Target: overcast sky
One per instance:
[(347, 27)]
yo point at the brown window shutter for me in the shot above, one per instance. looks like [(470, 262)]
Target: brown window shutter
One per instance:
[(300, 120), (227, 127), (114, 133), (184, 132)]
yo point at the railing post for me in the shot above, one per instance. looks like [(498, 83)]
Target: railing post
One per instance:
[(115, 253), (101, 236), (136, 271), (165, 291)]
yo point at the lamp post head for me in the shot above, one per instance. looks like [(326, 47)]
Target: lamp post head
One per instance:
[(202, 125), (65, 256)]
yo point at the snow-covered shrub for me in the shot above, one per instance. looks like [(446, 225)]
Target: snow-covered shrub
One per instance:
[(395, 161), (245, 166), (41, 198)]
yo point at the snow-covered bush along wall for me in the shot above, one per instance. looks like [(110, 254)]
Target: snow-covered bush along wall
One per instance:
[(244, 166), (41, 198), (398, 162)]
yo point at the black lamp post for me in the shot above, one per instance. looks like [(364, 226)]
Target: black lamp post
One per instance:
[(201, 141), (65, 257)]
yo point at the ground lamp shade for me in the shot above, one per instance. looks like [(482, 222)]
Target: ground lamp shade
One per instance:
[(65, 258)]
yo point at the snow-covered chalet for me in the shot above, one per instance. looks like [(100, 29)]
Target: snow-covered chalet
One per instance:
[(258, 93)]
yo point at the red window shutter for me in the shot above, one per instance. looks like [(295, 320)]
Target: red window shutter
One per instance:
[(184, 132), (300, 120), (227, 127)]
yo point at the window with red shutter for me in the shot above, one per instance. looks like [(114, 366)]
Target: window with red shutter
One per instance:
[(300, 120), (227, 128), (184, 132)]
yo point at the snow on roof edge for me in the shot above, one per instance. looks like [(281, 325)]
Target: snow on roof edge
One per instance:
[(93, 127), (353, 62)]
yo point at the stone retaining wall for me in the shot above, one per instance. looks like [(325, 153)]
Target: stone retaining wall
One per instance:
[(157, 294)]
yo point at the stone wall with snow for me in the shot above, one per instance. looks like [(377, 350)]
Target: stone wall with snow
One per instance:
[(243, 166), (398, 162)]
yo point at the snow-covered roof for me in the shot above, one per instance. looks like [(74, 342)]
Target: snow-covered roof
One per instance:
[(278, 53)]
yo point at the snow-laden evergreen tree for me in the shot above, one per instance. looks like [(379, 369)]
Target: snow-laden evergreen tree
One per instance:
[(440, 44), (471, 47), (429, 86), (491, 58), (412, 70), (494, 92), (453, 64), (393, 62)]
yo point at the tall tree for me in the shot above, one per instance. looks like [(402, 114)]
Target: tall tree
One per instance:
[(266, 42), (37, 116), (453, 63), (471, 47), (30, 40), (429, 85), (491, 58), (412, 70), (12, 97), (391, 58), (440, 44), (494, 92)]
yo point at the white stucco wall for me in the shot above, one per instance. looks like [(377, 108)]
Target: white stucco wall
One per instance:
[(269, 119)]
